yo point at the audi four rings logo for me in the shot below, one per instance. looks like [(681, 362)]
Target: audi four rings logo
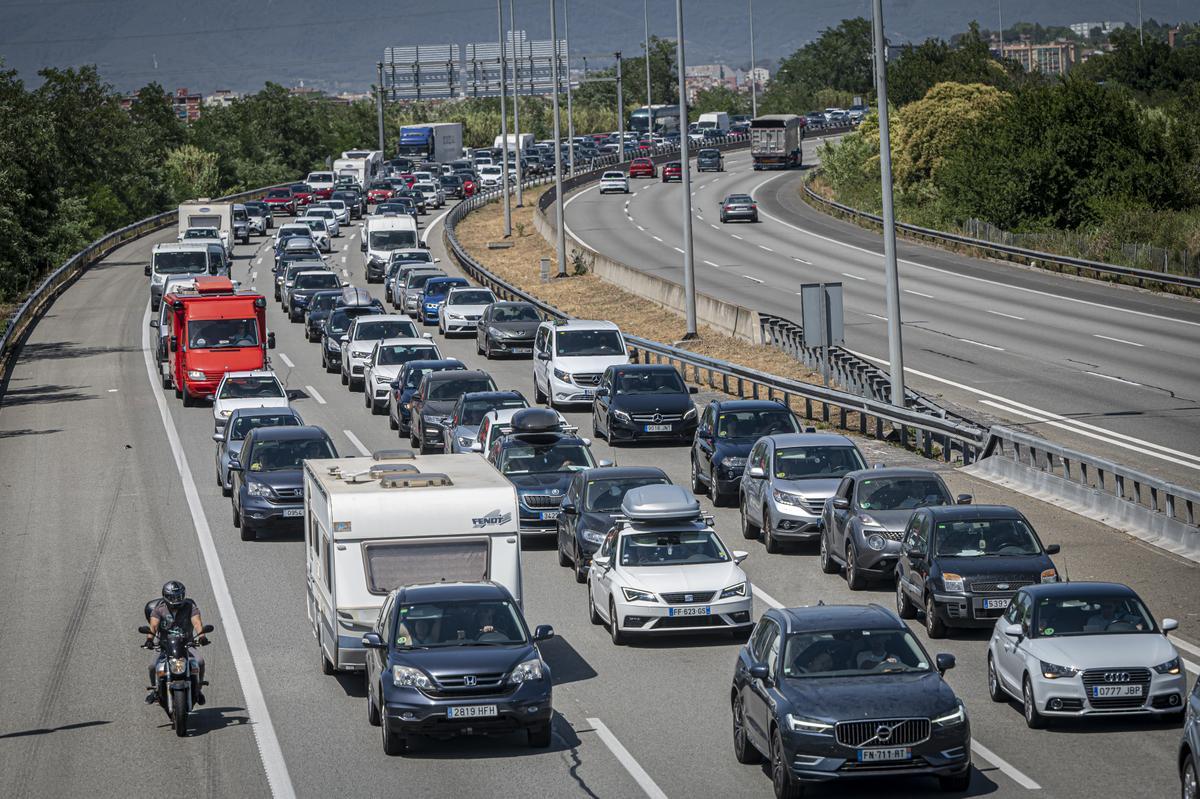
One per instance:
[(469, 679), (1116, 676)]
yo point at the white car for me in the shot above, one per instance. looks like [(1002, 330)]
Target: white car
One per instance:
[(319, 230), (498, 423), (330, 217), (341, 211), (432, 192), (489, 176), (614, 181), (663, 568), (258, 389), (360, 340), (569, 358), (1084, 649), (461, 311), (384, 363)]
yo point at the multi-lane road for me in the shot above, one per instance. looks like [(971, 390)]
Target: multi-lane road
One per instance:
[(109, 491), (1103, 369)]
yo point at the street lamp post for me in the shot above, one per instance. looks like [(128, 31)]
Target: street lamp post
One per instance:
[(558, 188), (620, 112), (516, 81), (689, 265), (570, 112), (503, 124), (753, 84), (379, 107), (649, 105)]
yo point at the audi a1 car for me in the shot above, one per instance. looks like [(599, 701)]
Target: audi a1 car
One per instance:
[(614, 181), (255, 389), (1085, 649), (739, 206), (462, 309), (242, 421), (590, 508), (405, 386), (434, 400), (268, 480), (507, 328), (640, 402), (462, 430), (724, 437), (834, 693), (663, 569), (383, 366)]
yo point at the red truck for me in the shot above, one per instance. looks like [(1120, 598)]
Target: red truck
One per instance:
[(214, 330)]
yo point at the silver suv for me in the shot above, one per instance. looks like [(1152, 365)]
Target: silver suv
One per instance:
[(1189, 748)]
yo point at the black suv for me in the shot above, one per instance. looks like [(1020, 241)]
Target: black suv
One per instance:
[(805, 687), (434, 401), (964, 563), (710, 160), (727, 432), (267, 477), (338, 325), (355, 200), (450, 659), (636, 402), (320, 306)]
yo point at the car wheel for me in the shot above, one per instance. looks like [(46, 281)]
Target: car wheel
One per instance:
[(956, 783), (614, 626), (413, 441), (721, 499), (1033, 717), (345, 379), (750, 530), (539, 736), (905, 608), (933, 625), (593, 615), (563, 559), (392, 422), (372, 711), (994, 690), (828, 564), (581, 571), (393, 745), (225, 491), (782, 780), (187, 397), (596, 427), (743, 750), (1190, 784), (855, 579), (249, 533), (770, 542), (697, 486), (538, 396)]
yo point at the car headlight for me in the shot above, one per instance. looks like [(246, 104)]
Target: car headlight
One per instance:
[(621, 415), (256, 489), (405, 405), (1172, 666), (953, 582), (690, 413), (1049, 576), (785, 498), (455, 316), (332, 345), (875, 541), (734, 590), (730, 462), (226, 414), (408, 677), (956, 716), (526, 672), (465, 441), (195, 374), (801, 724), (637, 595), (381, 379), (359, 354), (176, 665), (563, 376), (869, 521), (592, 536)]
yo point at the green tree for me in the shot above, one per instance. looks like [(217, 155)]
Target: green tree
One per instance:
[(932, 129), (920, 67), (839, 59), (191, 173), (718, 98)]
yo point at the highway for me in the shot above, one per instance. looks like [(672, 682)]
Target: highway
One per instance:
[(1103, 369), (110, 491)]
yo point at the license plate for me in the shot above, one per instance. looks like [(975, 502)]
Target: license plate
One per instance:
[(658, 428), (472, 712), (703, 610), (292, 513), (521, 350), (990, 604), (549, 515), (876, 755), (1099, 691)]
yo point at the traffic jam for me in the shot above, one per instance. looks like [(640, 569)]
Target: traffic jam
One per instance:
[(414, 544)]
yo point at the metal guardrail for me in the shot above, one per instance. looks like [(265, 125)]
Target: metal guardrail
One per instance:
[(1098, 269)]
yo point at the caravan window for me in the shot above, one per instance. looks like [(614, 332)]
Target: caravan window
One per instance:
[(391, 564)]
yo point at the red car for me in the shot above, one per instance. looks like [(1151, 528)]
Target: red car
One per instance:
[(281, 201), (672, 171), (468, 187), (642, 168), (303, 194), (380, 191), (408, 178)]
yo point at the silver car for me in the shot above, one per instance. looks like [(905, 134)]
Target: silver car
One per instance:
[(788, 477), (462, 431), (1189, 748), (233, 435)]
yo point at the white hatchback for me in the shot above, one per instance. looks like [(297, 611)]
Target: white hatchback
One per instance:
[(461, 311), (257, 389), (614, 181)]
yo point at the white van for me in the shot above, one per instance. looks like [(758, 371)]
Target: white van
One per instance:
[(168, 259), (374, 524), (716, 120), (382, 234)]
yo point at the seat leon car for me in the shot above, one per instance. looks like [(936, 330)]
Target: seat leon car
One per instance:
[(642, 168), (672, 171), (256, 389)]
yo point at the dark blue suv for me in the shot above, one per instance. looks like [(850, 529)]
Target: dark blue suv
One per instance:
[(406, 384), (267, 476), (434, 295), (724, 437), (449, 659)]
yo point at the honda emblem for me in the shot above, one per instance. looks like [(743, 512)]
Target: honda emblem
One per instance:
[(470, 680)]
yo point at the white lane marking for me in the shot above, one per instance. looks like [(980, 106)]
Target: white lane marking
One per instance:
[(801, 260), (1110, 377), (345, 247), (1189, 648), (1007, 315), (1118, 340), (269, 750), (876, 316), (1009, 770), (254, 275), (287, 361), (656, 238), (644, 781), (639, 227), (763, 596), (919, 294), (676, 249), (856, 277), (259, 261), (362, 450), (634, 194), (765, 247), (714, 227), (710, 263), (312, 392), (113, 390), (981, 344), (755, 279), (736, 236)]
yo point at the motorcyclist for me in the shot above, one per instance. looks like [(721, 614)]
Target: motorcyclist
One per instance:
[(175, 612)]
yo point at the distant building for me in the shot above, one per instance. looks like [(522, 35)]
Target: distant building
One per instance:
[(1171, 34), (221, 98), (1084, 29), (187, 105), (760, 76), (1054, 58)]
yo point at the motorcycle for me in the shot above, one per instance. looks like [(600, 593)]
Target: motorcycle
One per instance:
[(177, 678)]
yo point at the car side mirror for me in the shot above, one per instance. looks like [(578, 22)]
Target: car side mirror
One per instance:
[(759, 671), (543, 356), (693, 390), (271, 340), (740, 555), (601, 392), (944, 662), (363, 246), (373, 641), (345, 284), (427, 335), (604, 464), (1053, 549), (153, 323), (423, 245), (601, 560), (218, 437), (756, 471), (174, 344), (568, 507), (394, 385), (144, 629), (543, 632), (1014, 630), (964, 499), (840, 503), (147, 270), (1169, 624), (913, 553), (235, 465), (344, 339)]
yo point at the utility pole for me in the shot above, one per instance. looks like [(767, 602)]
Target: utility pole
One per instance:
[(516, 82), (689, 265), (379, 106), (570, 111), (891, 273), (558, 188), (753, 84), (620, 112), (1141, 41), (649, 105), (1000, 16), (503, 124)]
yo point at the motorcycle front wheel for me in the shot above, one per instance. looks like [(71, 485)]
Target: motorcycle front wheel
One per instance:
[(179, 716)]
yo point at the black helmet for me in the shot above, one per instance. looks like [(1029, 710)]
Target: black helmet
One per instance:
[(173, 592)]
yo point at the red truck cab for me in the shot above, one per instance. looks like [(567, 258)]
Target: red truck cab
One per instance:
[(214, 330)]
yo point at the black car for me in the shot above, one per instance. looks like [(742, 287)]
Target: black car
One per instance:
[(452, 185), (320, 305), (640, 402), (449, 659), (592, 503), (434, 401), (398, 205), (336, 326), (354, 199), (305, 286), (405, 386), (710, 160), (724, 437), (267, 476), (507, 328), (964, 563), (839, 692), (739, 206)]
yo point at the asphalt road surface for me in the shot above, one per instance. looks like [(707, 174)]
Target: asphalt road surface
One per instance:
[(109, 491)]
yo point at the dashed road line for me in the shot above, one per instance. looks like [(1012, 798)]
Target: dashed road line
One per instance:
[(855, 277), (981, 344), (1110, 377), (656, 238), (801, 260), (287, 361), (710, 263), (362, 450), (676, 249), (1118, 340), (765, 247), (644, 780), (1006, 768), (755, 279), (919, 294), (312, 392), (736, 236), (1007, 315)]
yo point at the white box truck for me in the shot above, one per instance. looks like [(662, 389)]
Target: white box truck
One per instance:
[(205, 213), (715, 120), (514, 142), (374, 524)]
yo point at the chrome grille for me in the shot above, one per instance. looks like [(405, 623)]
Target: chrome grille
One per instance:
[(586, 378), (891, 535), (462, 683), (882, 732), (289, 493), (814, 506), (992, 586), (657, 418), (688, 597), (541, 500), (1136, 676)]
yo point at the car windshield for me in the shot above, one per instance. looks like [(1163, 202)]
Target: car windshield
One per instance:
[(471, 298), (522, 457), (414, 376), (284, 193), (852, 653), (250, 387), (181, 263), (753, 425), (614, 176), (439, 289), (490, 622), (337, 205), (339, 323), (649, 381), (325, 213), (1062, 616), (218, 333), (672, 548), (453, 388), (202, 233), (815, 463), (973, 538), (320, 177), (605, 496), (389, 328), (413, 256), (381, 184), (242, 425), (314, 223), (514, 313), (320, 280), (403, 353), (473, 411), (584, 343), (740, 199), (323, 302), (273, 456), (393, 239), (901, 493)]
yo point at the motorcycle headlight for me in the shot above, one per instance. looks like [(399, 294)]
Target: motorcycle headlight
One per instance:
[(1052, 671), (734, 590), (619, 414), (408, 677), (528, 671), (195, 374), (784, 498), (1172, 666), (637, 595), (956, 716), (255, 489), (563, 376), (953, 582), (801, 724), (875, 542), (176, 665), (592, 536)]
